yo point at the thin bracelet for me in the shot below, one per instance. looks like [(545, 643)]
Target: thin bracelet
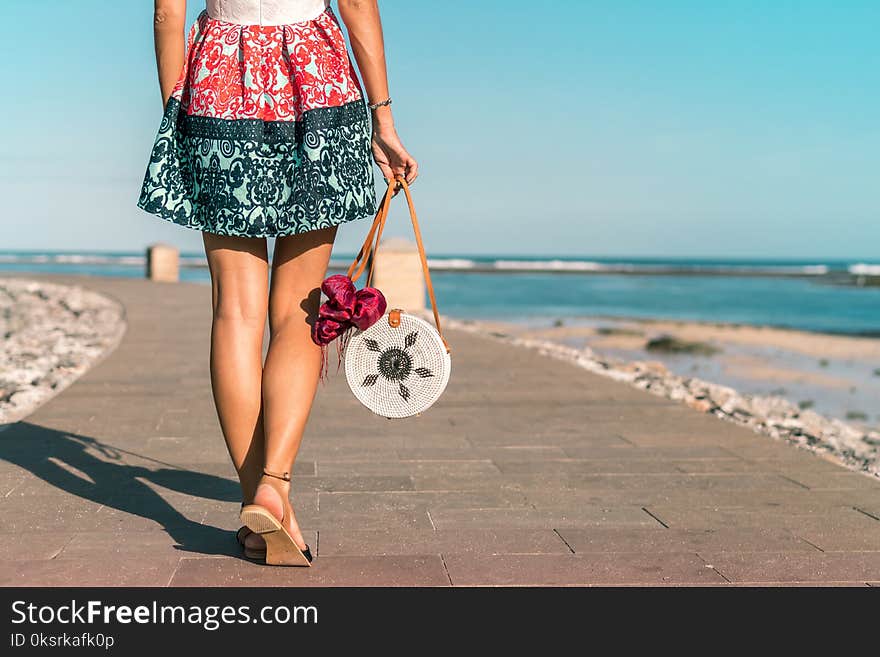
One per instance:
[(383, 103)]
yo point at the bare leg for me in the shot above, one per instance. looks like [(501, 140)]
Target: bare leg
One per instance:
[(290, 375), (240, 289)]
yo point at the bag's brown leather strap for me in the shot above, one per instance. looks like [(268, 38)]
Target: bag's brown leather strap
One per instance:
[(424, 258), (370, 248)]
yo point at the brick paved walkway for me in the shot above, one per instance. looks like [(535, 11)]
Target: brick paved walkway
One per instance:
[(528, 471)]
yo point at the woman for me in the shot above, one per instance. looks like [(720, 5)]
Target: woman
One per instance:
[(267, 132)]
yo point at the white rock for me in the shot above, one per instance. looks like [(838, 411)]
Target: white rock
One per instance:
[(53, 333)]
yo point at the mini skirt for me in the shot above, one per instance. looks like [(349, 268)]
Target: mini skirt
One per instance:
[(266, 132)]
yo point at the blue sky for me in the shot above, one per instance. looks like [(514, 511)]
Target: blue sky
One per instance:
[(678, 128)]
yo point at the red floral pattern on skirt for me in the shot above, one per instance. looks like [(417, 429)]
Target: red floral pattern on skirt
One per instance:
[(268, 72)]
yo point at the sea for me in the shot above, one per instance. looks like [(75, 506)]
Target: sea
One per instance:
[(813, 295)]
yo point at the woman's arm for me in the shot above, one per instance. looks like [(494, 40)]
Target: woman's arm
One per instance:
[(169, 22), (361, 17)]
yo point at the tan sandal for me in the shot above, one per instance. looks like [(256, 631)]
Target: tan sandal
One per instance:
[(254, 554), (281, 549)]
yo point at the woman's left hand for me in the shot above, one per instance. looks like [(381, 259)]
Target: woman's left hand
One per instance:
[(391, 157)]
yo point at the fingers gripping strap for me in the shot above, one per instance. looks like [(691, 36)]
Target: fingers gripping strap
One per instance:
[(369, 247)]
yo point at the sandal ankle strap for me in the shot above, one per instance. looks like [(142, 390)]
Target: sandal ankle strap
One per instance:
[(277, 475)]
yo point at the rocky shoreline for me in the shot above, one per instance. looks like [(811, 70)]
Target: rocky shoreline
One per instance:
[(52, 334), (773, 416)]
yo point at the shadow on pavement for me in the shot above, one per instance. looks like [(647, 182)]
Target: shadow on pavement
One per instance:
[(95, 471)]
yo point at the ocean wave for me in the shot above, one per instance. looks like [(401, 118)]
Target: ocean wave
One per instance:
[(71, 259), (863, 269), (660, 268), (549, 265), (452, 263)]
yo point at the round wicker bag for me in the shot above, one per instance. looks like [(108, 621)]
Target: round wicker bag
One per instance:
[(400, 365), (397, 368)]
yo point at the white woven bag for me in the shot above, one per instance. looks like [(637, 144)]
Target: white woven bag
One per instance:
[(400, 365)]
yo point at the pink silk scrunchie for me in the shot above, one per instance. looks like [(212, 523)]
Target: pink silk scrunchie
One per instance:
[(345, 308)]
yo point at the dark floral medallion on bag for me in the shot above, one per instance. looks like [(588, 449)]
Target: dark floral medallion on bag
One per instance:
[(395, 364)]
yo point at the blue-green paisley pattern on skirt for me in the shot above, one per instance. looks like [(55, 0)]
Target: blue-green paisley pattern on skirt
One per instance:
[(255, 178)]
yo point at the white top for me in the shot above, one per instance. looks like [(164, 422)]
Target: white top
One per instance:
[(265, 12)]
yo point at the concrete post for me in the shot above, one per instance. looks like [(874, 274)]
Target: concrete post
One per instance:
[(398, 274), (163, 263)]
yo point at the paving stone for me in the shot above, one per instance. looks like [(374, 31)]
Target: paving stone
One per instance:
[(762, 499), (126, 492), (539, 436), (144, 543), (32, 545), (834, 480), (658, 539), (480, 453), (322, 451), (800, 461), (474, 468), (109, 570), (410, 570), (534, 519), (202, 542), (62, 514), (854, 584), (734, 465), (11, 481), (863, 498), (678, 453), (392, 518), (579, 570), (795, 518), (677, 437), (353, 482), (587, 466), (673, 481), (869, 509), (550, 394), (679, 498), (795, 566), (542, 499), (458, 481), (770, 448), (110, 519), (863, 538), (450, 541), (458, 499)]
